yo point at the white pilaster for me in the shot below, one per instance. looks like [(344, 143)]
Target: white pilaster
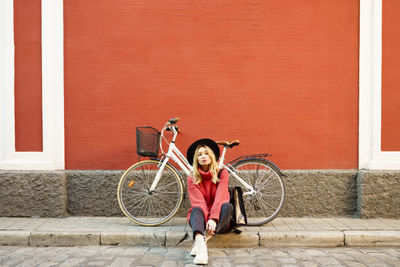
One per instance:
[(370, 92), (52, 157)]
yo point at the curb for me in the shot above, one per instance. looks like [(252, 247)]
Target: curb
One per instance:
[(372, 238), (368, 238)]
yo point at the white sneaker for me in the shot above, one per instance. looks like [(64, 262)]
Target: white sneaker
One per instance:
[(201, 251), (193, 252), (194, 249)]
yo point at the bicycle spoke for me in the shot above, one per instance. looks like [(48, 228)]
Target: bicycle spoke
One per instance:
[(168, 193), (263, 184), (267, 201), (134, 201), (167, 185)]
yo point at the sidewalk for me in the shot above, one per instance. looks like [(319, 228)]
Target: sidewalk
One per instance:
[(282, 232)]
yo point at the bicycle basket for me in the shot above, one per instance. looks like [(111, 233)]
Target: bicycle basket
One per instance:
[(147, 141)]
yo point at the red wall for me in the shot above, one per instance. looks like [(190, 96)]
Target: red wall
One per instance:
[(390, 75), (281, 76), (28, 75)]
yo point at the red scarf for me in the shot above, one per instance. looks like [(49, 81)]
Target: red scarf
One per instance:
[(207, 195)]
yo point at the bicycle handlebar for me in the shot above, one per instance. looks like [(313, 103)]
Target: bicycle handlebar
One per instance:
[(173, 120), (169, 126)]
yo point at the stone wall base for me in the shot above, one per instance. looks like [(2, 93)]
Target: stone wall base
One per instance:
[(378, 194), (310, 193)]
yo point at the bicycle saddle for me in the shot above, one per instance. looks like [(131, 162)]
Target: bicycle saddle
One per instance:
[(229, 144)]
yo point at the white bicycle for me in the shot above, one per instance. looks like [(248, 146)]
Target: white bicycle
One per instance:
[(150, 192)]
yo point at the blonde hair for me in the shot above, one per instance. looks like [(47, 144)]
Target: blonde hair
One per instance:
[(213, 166)]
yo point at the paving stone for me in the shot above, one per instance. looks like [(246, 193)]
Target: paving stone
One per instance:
[(31, 262), (380, 255), (61, 258), (156, 250), (309, 264), (221, 262), (342, 256), (280, 253), (299, 254), (152, 259), (354, 264), (327, 261), (214, 252), (240, 251), (122, 261), (287, 260), (169, 264), (246, 259), (49, 264), (11, 261), (267, 262), (262, 253), (98, 263), (156, 256), (315, 252), (72, 262)]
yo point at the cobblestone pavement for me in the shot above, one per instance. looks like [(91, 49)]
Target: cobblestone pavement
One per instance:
[(160, 256)]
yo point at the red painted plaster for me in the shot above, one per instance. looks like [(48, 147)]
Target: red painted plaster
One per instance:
[(390, 76), (281, 76), (28, 75)]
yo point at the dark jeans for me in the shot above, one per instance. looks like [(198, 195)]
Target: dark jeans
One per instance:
[(198, 223)]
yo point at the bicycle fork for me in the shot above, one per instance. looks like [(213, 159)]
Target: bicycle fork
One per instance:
[(158, 175), (176, 156)]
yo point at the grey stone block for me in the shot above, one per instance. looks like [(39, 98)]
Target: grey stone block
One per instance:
[(378, 194), (33, 193), (232, 240), (372, 238), (320, 193), (93, 193), (173, 239), (44, 239), (302, 239), (14, 238), (134, 238)]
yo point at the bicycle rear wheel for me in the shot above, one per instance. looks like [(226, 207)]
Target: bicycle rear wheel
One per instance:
[(145, 207), (267, 181)]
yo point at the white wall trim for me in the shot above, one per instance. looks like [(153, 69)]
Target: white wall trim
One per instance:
[(52, 157), (370, 98)]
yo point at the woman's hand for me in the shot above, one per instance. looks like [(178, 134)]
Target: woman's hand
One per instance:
[(210, 227)]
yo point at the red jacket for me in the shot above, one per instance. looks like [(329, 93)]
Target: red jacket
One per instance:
[(207, 195)]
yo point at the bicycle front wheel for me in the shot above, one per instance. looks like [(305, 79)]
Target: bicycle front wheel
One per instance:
[(145, 207), (270, 190)]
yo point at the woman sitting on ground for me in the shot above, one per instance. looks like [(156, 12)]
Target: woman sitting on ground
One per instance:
[(211, 211)]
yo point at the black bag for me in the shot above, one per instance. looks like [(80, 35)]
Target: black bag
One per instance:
[(239, 217)]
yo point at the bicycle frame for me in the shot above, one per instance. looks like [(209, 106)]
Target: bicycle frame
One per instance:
[(176, 155)]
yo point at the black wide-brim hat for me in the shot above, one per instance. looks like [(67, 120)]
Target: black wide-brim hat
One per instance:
[(202, 142)]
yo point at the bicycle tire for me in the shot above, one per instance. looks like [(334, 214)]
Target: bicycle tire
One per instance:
[(270, 196), (142, 206)]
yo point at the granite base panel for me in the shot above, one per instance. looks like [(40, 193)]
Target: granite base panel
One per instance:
[(378, 194), (310, 193), (33, 193)]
